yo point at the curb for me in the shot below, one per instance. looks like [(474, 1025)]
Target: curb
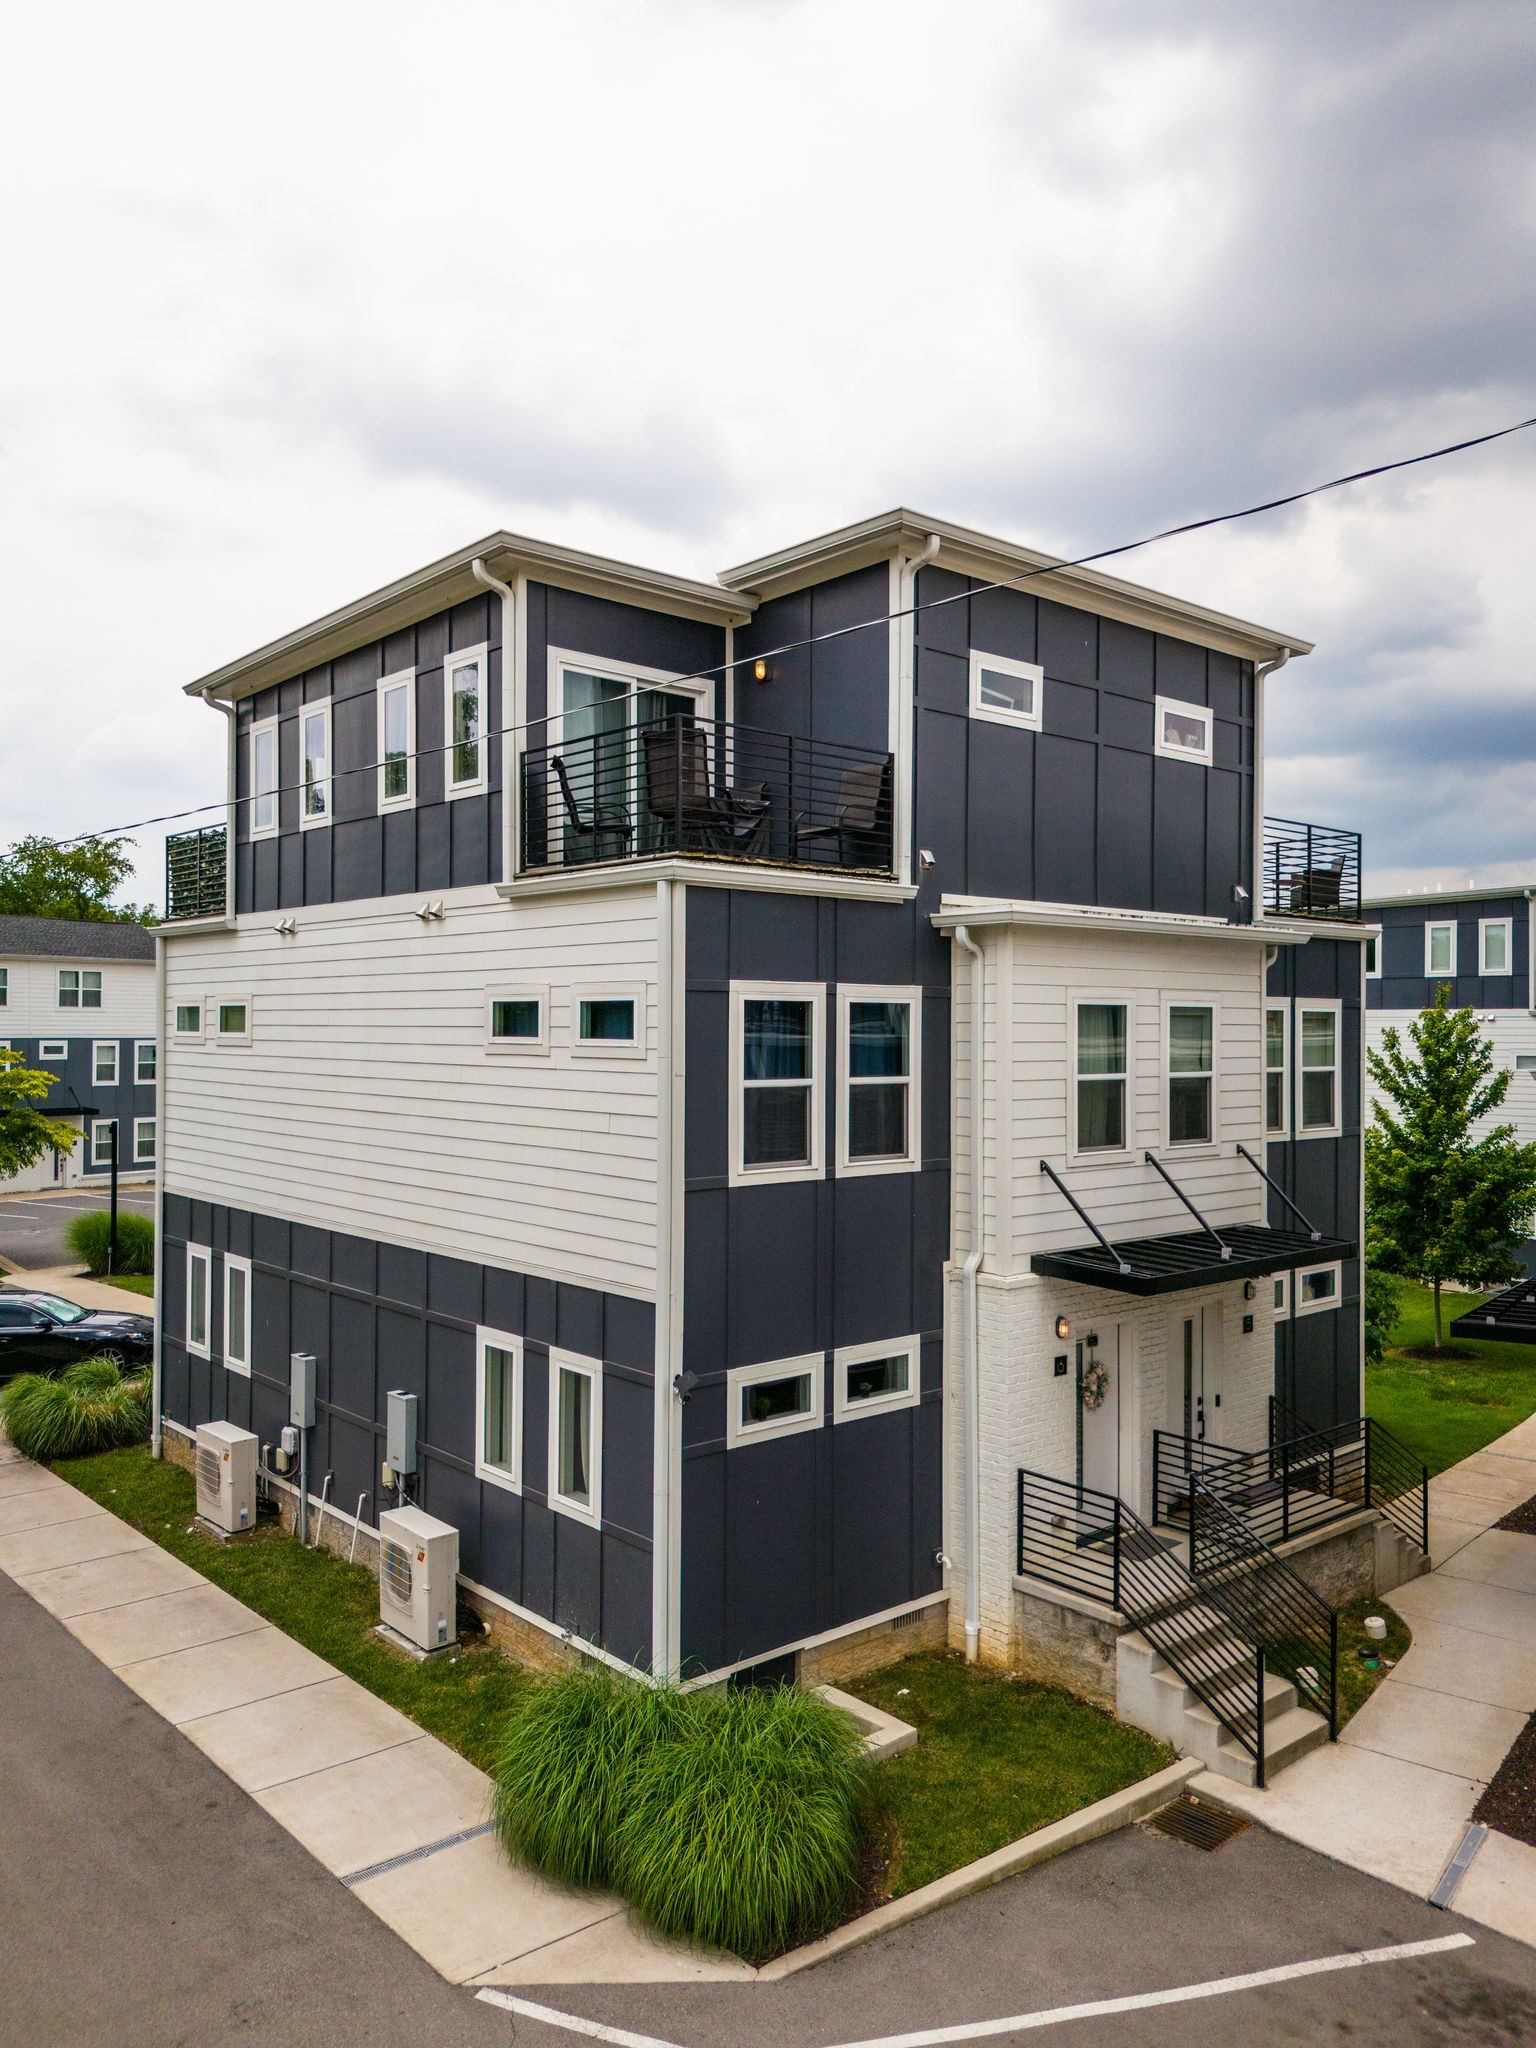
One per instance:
[(1104, 1817)]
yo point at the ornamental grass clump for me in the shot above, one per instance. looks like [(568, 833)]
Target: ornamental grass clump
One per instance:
[(90, 1406), (89, 1237)]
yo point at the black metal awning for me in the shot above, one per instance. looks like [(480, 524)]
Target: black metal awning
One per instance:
[(1508, 1318), (1192, 1258)]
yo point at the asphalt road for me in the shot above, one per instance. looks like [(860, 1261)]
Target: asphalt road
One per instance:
[(32, 1227), (149, 1904)]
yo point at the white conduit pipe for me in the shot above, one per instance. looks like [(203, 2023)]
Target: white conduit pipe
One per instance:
[(1260, 675), (972, 1365)]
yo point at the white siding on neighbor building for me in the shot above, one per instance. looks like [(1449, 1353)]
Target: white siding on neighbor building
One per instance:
[(367, 1102), (1511, 1033), (32, 1009)]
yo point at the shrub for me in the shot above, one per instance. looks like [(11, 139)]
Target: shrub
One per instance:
[(88, 1407), (88, 1236)]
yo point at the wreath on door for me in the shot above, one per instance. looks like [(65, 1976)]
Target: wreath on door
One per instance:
[(1095, 1384)]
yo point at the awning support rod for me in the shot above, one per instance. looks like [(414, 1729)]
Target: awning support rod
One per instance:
[(1062, 1188), (1315, 1235), (1226, 1249)]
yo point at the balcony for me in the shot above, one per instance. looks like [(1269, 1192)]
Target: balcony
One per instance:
[(194, 874), (1310, 871), (706, 791)]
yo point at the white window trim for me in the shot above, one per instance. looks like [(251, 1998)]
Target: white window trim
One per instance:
[(844, 1410), (140, 1047), (1190, 1147), (487, 1339), (460, 657), (402, 679), (234, 1263), (1101, 1154), (1283, 1305), (1484, 926), (911, 1160), (1317, 1308), (79, 974), (1283, 1129), (189, 1037), (98, 1125), (737, 1432), (143, 1158), (743, 992), (1302, 1005), (53, 1050), (321, 709), (1439, 924), (98, 1047), (255, 831), (199, 1254), (638, 677), (1202, 757), (1027, 671), (569, 1361), (220, 1003), (519, 1048), (1373, 973), (610, 1048)]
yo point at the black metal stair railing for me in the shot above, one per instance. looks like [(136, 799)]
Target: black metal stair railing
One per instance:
[(195, 873), (1393, 1479)]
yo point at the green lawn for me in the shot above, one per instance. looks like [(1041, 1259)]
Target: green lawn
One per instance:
[(135, 1283), (1445, 1410), (329, 1606), (995, 1758)]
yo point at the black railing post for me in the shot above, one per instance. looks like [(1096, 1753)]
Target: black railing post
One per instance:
[(1114, 1600), (1366, 1434), (1424, 1505), (1157, 1483), (1333, 1675), (1020, 1511), (1285, 1494), (1258, 1724)]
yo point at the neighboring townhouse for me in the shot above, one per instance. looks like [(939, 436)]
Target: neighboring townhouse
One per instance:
[(77, 1001), (1477, 943), (778, 1067)]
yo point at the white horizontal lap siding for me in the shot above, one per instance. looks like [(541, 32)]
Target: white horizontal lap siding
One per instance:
[(32, 1000), (1512, 1033), (368, 1103)]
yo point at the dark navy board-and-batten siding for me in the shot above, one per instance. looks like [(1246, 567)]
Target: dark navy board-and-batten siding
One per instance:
[(606, 631), (1403, 984), (73, 1090), (786, 1539), (1317, 1357), (380, 1317)]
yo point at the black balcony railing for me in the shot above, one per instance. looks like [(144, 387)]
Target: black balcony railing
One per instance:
[(1310, 871), (194, 874), (706, 790)]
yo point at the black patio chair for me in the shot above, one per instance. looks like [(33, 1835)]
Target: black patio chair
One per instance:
[(598, 821), (861, 818)]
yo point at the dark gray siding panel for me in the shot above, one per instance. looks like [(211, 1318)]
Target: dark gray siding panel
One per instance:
[(1403, 985)]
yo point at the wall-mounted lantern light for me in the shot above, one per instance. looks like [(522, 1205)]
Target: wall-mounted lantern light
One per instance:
[(1250, 1292), (1063, 1327), (760, 670)]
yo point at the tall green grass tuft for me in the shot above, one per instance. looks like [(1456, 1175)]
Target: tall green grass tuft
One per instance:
[(89, 1234), (88, 1407)]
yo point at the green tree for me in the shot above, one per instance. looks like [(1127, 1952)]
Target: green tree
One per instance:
[(1446, 1205), (25, 1133), (1381, 1303), (39, 878)]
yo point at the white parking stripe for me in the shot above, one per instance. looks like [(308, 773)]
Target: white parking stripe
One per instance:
[(572, 2022)]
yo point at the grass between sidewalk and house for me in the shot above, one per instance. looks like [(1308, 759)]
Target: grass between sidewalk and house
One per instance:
[(1446, 1408), (133, 1283)]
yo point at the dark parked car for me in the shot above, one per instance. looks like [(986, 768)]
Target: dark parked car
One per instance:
[(44, 1332)]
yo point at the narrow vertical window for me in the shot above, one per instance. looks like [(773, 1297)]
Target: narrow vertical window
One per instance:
[(69, 988), (1373, 958), (104, 1063), (1101, 1076), (199, 1272), (776, 1108), (5, 986), (90, 988), (103, 1142), (1494, 936), (575, 1450), (1319, 1035), (464, 686), (264, 779), (143, 1139), (144, 1058), (315, 748), (878, 1114), (397, 741), (1191, 1073), (1439, 949), (237, 1313), (1276, 1065), (499, 1402)]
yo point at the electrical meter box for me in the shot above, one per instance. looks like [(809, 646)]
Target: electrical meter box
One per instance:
[(400, 1435), (301, 1389)]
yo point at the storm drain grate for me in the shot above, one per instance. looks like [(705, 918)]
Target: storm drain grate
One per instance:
[(1197, 1822)]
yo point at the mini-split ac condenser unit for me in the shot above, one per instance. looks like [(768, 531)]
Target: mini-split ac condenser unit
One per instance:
[(226, 1477), (418, 1575)]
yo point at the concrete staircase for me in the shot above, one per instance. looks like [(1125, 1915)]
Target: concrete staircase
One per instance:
[(1398, 1558)]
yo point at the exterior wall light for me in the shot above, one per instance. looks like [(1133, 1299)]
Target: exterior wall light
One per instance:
[(1250, 1292), (1063, 1327), (760, 670)]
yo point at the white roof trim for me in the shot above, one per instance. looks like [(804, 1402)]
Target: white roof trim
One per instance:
[(985, 910)]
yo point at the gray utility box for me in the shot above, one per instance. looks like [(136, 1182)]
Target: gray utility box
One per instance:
[(301, 1389), (400, 1434)]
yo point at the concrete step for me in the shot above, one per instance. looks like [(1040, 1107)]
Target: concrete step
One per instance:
[(1290, 1736), (1234, 1702)]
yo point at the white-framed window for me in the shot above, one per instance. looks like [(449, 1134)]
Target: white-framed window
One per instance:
[(1282, 1287), (232, 1020), (1525, 1062), (499, 1408), (871, 1379), (779, 1398), (237, 1314), (1495, 945), (1318, 1287), (1277, 1069), (1318, 1029), (5, 986), (79, 988), (199, 1295), (879, 1041), (777, 1111), (187, 1022), (145, 1061), (1006, 691), (143, 1140), (1191, 1066), (102, 1141), (104, 1062), (315, 764), (517, 1019), (606, 718), (466, 691), (576, 1437), (1184, 731), (52, 1049), (609, 1020), (1373, 957), (263, 767), (397, 740), (1440, 949), (1101, 1050)]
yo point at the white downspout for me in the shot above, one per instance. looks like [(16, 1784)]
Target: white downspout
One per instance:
[(667, 1352), (972, 1365), (906, 701), (1530, 951), (1260, 676), (509, 713), (156, 1435)]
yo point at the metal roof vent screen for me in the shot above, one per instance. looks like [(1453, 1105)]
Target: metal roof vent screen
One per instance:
[(395, 1573)]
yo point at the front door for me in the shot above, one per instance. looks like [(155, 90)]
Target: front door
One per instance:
[(1106, 1409), (1194, 1386)]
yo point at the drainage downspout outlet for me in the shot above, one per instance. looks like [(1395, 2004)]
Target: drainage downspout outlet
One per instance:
[(972, 1267)]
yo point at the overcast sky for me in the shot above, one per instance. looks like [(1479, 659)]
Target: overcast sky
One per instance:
[(304, 296)]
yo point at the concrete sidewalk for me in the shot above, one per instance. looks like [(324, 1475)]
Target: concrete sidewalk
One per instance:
[(76, 1285), (1394, 1795), (395, 1814)]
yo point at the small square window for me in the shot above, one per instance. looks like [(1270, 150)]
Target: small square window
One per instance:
[(1006, 691), (104, 1063), (234, 1022), (1184, 731), (609, 1020), (188, 1020), (53, 1049), (79, 988), (781, 1398), (517, 1020), (1317, 1287), (871, 1379)]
